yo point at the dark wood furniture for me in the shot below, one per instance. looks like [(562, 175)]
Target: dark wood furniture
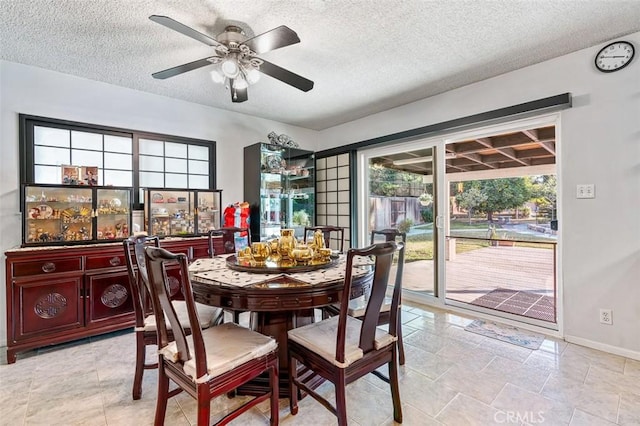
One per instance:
[(390, 234), (145, 327), (342, 349), (216, 360), (228, 235), (326, 232), (58, 294), (277, 305)]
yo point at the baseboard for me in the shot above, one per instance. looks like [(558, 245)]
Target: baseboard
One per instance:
[(616, 350)]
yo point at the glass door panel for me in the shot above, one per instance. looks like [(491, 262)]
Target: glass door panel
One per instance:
[(113, 217), (400, 193)]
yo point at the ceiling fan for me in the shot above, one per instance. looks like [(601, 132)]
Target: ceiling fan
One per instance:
[(236, 55)]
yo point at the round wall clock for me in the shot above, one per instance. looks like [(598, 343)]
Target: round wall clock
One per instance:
[(614, 56)]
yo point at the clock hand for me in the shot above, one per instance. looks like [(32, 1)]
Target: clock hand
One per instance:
[(621, 56)]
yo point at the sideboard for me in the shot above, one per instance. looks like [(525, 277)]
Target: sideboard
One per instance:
[(62, 293)]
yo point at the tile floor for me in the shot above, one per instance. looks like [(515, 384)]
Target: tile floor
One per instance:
[(451, 377)]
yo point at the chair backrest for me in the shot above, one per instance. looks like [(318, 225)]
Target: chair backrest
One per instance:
[(382, 255), (228, 235), (157, 260), (392, 234), (137, 269), (326, 232)]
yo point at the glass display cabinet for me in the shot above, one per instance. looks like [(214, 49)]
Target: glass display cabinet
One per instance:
[(279, 184), (64, 214), (181, 212)]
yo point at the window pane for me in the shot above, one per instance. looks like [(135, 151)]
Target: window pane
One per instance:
[(197, 152), (175, 165), (47, 155), (86, 140), (198, 182), (176, 181), (151, 180), (117, 161), (81, 157), (151, 147), (47, 174), (198, 167), (117, 178), (118, 144), (175, 150), (151, 163), (50, 136)]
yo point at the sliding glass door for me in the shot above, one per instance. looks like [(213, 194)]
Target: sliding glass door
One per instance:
[(398, 190)]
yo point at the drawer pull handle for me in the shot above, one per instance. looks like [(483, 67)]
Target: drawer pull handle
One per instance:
[(49, 267), (114, 261)]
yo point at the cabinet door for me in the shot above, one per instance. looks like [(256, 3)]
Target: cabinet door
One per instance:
[(108, 298), (47, 306)]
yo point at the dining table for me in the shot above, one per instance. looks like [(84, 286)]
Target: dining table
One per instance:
[(279, 300)]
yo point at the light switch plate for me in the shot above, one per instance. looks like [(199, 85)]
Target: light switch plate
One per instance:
[(586, 191)]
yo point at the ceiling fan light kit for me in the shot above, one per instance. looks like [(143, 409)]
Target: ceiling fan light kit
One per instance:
[(236, 63)]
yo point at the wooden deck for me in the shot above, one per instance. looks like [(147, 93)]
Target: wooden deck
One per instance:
[(475, 273)]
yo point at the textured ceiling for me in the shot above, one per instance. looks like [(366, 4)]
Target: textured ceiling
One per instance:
[(364, 56)]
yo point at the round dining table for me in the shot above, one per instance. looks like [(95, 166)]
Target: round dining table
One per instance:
[(278, 301)]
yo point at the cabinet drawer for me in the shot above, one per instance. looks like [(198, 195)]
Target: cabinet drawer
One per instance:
[(108, 297), (42, 267), (105, 261)]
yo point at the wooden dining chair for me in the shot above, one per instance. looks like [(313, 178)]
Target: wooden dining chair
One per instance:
[(210, 362), (145, 328), (328, 231), (342, 348), (228, 235)]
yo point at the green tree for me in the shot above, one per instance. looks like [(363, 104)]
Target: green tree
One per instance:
[(502, 194), (544, 192), (470, 199)]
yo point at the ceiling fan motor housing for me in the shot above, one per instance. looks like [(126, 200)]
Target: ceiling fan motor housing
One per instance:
[(232, 37)]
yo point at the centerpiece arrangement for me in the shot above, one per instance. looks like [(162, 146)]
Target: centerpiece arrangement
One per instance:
[(283, 254)]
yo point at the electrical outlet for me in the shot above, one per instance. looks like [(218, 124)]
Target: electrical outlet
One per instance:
[(606, 316), (586, 191)]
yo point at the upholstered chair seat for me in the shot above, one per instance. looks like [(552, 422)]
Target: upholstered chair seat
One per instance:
[(320, 337), (227, 346)]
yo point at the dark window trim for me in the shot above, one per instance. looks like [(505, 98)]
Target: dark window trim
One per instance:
[(26, 148), (550, 104)]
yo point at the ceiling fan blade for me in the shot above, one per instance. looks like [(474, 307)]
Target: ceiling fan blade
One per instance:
[(172, 72), (285, 76), (238, 95), (272, 39), (183, 29)]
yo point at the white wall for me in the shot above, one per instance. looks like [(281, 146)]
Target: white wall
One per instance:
[(599, 144), (35, 91)]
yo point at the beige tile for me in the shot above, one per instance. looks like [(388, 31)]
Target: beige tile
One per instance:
[(477, 384), (560, 366), (632, 368), (519, 374), (412, 416), (467, 354), (629, 411), (426, 341), (420, 391), (506, 350), (615, 382), (426, 363), (464, 410), (554, 345), (596, 358), (594, 400), (14, 398), (581, 418), (368, 404), (66, 409), (533, 408)]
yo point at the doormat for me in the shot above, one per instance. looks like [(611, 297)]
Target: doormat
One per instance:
[(506, 333), (524, 303)]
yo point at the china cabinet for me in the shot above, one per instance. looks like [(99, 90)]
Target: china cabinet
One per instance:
[(279, 184), (64, 214), (61, 293), (181, 212)]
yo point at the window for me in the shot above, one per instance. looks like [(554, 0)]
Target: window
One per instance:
[(123, 157)]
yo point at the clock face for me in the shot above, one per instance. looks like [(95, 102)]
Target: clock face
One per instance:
[(614, 56)]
